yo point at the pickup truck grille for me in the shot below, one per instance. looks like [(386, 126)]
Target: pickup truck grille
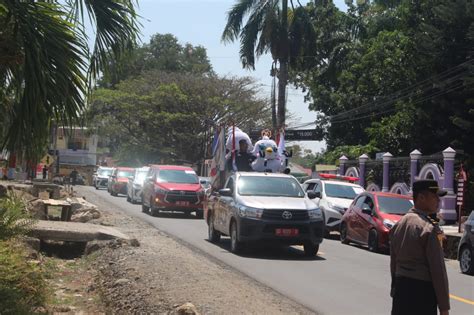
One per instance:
[(189, 196), (296, 215)]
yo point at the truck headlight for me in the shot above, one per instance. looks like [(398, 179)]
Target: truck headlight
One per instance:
[(248, 212), (341, 210), (388, 223), (315, 214)]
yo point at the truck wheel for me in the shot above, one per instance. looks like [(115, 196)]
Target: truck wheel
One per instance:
[(310, 249), (213, 235), (154, 211), (343, 234), (373, 241), (199, 214), (145, 209), (235, 244)]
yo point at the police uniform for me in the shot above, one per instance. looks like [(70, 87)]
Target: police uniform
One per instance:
[(419, 278)]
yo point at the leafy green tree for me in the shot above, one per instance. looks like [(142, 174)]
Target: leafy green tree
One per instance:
[(271, 26), (46, 66), (164, 53), (395, 74), (163, 116)]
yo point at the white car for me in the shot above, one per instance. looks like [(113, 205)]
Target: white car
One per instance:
[(135, 185), (333, 197), (101, 177)]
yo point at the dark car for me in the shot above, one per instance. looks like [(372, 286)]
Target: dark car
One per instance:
[(265, 207), (371, 216), (172, 188), (466, 247)]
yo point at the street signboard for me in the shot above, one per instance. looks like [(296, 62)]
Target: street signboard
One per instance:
[(301, 135), (47, 160)]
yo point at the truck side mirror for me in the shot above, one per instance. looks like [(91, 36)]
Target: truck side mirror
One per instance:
[(225, 192)]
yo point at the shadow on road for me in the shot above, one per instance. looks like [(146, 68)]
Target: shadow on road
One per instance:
[(175, 215), (269, 251)]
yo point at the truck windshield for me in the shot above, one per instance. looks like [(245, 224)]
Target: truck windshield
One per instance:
[(177, 176), (342, 191), (269, 186), (393, 205)]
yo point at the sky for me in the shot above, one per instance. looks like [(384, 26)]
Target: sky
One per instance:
[(201, 23)]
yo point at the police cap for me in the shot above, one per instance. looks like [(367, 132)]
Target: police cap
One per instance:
[(428, 185)]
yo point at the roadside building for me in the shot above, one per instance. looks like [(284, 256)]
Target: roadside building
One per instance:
[(76, 148)]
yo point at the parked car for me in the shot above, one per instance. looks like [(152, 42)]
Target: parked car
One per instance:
[(371, 216), (334, 194), (119, 179), (101, 177), (135, 185), (172, 188), (466, 247), (268, 207)]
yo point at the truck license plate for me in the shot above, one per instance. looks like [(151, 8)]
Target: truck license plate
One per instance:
[(182, 203), (286, 232)]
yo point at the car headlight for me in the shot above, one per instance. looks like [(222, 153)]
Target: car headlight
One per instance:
[(248, 212), (337, 208), (388, 223), (315, 214), (160, 191)]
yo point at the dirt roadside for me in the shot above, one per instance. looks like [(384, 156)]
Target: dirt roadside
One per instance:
[(162, 274)]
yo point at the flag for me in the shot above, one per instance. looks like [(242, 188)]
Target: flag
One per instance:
[(218, 160), (281, 143), (234, 166)]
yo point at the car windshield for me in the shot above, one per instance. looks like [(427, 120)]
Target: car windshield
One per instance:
[(102, 172), (269, 186), (124, 173), (394, 205), (342, 191), (177, 176), (140, 176)]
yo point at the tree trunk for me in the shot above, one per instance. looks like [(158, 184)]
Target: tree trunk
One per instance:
[(282, 82), (274, 111), (283, 73)]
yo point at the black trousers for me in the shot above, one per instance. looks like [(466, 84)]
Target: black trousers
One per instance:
[(414, 297)]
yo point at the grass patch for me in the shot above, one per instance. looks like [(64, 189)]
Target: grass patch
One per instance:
[(22, 283)]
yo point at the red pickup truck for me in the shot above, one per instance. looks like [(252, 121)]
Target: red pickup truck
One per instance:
[(172, 188)]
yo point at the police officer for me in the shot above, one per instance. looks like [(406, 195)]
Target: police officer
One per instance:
[(419, 279)]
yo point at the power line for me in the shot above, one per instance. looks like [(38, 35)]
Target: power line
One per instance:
[(408, 91), (439, 93)]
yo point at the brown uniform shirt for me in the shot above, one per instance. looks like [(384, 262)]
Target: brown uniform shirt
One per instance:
[(416, 252)]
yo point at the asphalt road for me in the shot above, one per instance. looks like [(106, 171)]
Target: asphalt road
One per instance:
[(343, 279)]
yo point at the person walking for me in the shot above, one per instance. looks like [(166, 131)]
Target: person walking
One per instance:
[(73, 176), (45, 171), (419, 278)]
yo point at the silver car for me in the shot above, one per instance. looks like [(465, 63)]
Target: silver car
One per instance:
[(101, 177), (466, 247), (265, 207), (135, 185)]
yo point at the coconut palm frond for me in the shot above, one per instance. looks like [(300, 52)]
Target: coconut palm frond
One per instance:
[(116, 25), (235, 18), (48, 80)]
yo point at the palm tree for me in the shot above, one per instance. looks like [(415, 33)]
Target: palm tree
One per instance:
[(270, 27), (46, 66)]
